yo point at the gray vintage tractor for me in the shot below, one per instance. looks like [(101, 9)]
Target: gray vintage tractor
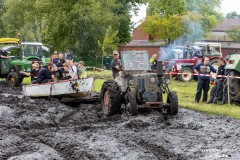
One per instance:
[(136, 87)]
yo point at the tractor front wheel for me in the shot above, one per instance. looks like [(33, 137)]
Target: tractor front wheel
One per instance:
[(110, 98), (172, 101), (12, 79)]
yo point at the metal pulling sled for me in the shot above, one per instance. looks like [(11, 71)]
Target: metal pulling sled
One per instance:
[(77, 90)]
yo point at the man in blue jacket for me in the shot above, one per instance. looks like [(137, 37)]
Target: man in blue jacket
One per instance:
[(203, 80)]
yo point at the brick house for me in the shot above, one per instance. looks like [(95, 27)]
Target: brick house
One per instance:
[(141, 41)]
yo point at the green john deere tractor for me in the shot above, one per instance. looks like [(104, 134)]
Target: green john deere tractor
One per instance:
[(21, 57), (233, 69), (136, 87)]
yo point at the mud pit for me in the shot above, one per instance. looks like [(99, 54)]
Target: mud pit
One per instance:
[(41, 129)]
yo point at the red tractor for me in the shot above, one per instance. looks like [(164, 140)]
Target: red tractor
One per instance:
[(185, 59)]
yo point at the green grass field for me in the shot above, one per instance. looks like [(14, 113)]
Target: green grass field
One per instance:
[(185, 90), (186, 93)]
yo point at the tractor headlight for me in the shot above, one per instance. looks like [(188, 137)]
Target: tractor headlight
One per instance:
[(152, 79)]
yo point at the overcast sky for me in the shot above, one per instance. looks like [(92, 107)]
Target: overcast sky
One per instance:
[(226, 7)]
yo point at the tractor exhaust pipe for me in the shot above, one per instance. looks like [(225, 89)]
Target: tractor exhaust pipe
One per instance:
[(160, 69), (160, 72)]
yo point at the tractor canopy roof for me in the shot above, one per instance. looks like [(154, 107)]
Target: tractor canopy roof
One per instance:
[(135, 61), (32, 43), (9, 40), (202, 44)]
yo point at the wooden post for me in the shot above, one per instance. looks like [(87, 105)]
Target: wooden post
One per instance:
[(94, 69), (170, 81), (228, 90)]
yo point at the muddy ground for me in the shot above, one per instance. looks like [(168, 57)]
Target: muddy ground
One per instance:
[(46, 129)]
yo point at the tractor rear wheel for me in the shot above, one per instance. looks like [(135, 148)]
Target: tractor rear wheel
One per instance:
[(12, 79), (215, 64), (133, 109), (186, 74), (110, 98), (234, 86), (172, 101)]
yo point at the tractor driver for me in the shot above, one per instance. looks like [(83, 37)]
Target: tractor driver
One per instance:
[(116, 64), (3, 54)]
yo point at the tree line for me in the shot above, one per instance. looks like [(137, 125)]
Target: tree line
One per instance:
[(100, 26), (79, 25)]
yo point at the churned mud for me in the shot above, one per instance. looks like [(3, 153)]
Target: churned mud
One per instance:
[(47, 129)]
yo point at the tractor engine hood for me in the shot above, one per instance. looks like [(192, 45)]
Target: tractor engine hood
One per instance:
[(146, 86)]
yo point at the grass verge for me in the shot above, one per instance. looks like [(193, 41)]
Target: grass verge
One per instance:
[(186, 93)]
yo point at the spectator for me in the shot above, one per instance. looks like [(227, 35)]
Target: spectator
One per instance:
[(57, 72), (153, 62), (55, 59), (72, 71), (61, 61), (219, 83), (52, 56), (33, 73), (116, 64), (45, 74), (69, 55), (203, 80), (82, 70)]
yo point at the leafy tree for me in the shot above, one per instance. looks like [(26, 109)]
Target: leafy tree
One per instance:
[(232, 15), (205, 18), (234, 34), (164, 7), (208, 10), (75, 25), (1, 23), (165, 28), (110, 42)]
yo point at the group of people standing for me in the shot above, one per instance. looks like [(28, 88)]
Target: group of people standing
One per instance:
[(203, 70), (59, 68)]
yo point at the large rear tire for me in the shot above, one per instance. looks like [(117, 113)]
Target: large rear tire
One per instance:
[(234, 85), (172, 101), (186, 74), (12, 79), (215, 64), (110, 98)]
